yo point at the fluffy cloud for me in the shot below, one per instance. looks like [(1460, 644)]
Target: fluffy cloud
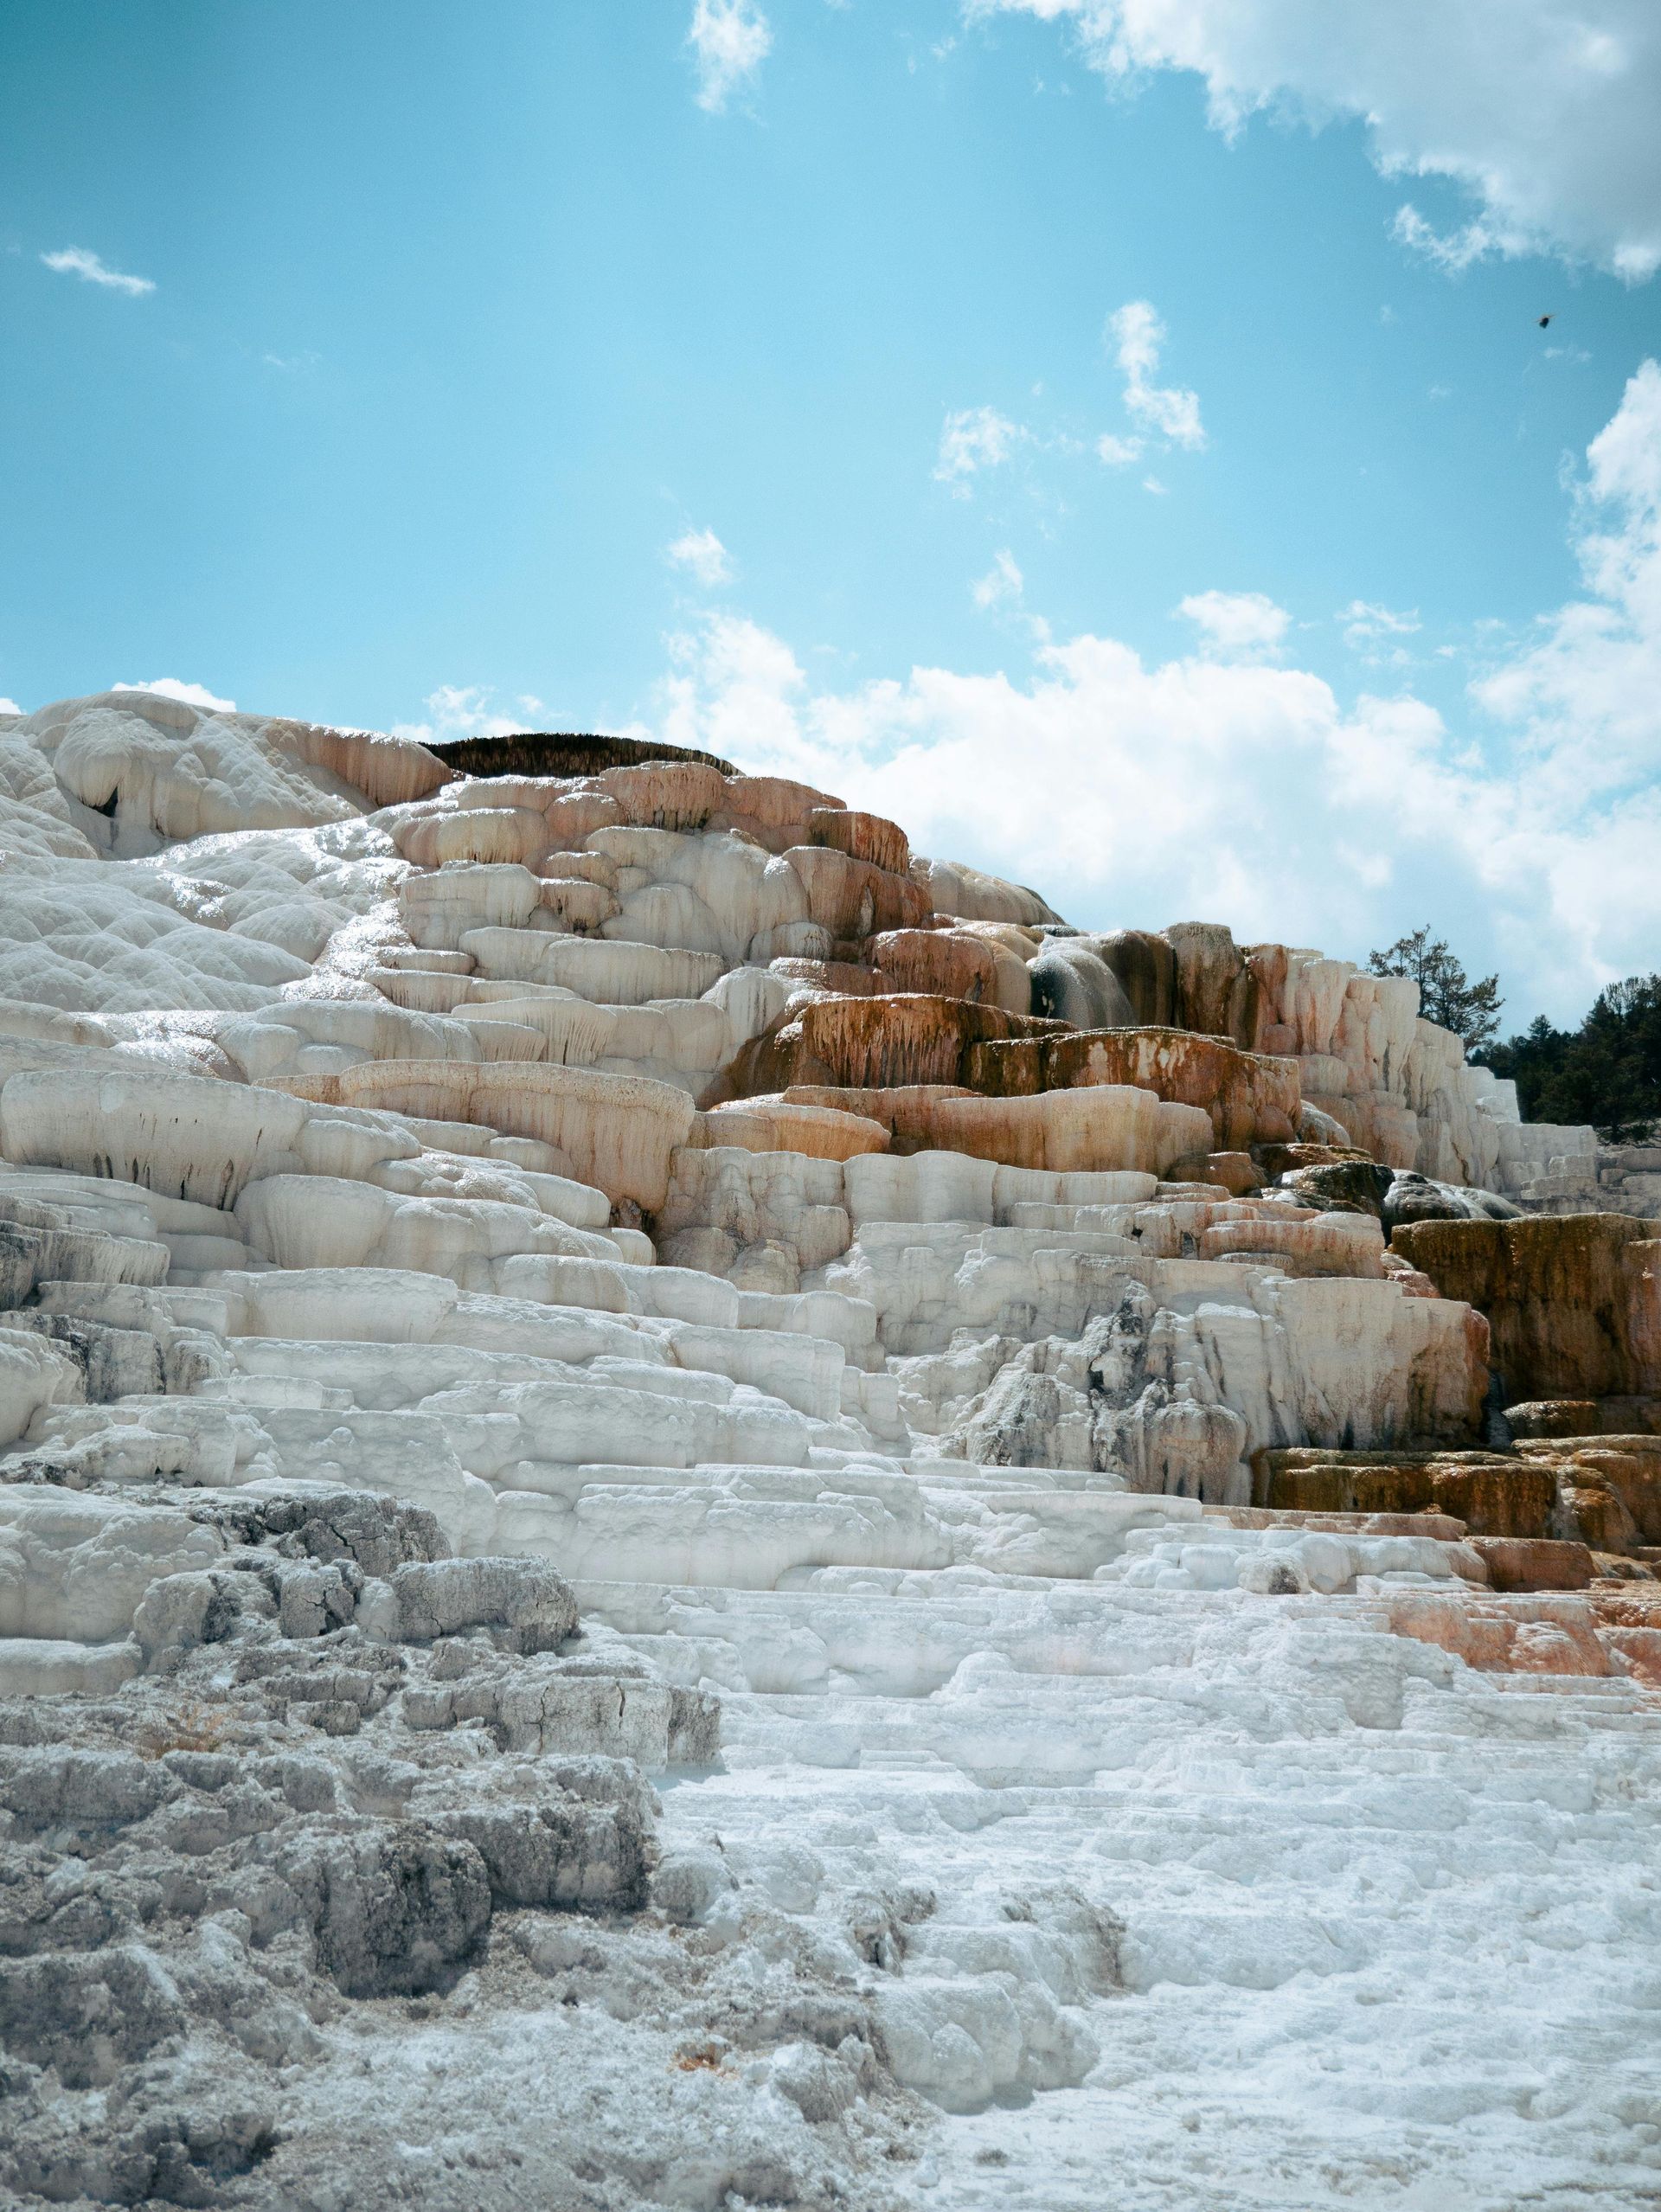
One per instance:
[(702, 554), (1245, 790), (1584, 696), (1129, 793), (1375, 632), (1454, 250), (463, 710), (1236, 623), (971, 439), (76, 261), (1002, 582), (1119, 452), (730, 40), (192, 695), (9, 706), (1136, 335), (1365, 622), (1543, 112)]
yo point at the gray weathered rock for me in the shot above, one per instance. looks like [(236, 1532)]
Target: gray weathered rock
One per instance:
[(524, 1598)]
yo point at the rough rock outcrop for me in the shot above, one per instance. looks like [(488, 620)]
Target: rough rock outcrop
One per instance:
[(871, 1043), (338, 1773), (1251, 1099), (494, 1265), (1574, 1301)]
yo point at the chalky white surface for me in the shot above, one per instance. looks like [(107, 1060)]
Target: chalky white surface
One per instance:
[(850, 1446)]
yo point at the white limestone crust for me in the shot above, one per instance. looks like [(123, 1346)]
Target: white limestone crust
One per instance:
[(351, 1149)]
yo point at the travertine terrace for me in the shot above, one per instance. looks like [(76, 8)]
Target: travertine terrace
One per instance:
[(695, 1512)]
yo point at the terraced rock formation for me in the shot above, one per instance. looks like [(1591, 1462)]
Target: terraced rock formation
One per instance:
[(696, 1513)]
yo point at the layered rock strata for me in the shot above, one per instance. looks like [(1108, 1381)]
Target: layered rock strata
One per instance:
[(1600, 1178), (526, 1272), (1574, 1302)]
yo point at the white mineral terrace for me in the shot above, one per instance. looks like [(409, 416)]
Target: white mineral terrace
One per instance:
[(608, 1167)]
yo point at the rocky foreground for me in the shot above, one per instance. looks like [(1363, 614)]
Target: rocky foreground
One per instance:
[(693, 1513)]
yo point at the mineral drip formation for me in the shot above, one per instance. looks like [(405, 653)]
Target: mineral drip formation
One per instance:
[(695, 1513)]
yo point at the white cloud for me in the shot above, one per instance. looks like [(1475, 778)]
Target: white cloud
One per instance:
[(1119, 452), (191, 695), (1585, 694), (1367, 625), (76, 261), (1003, 581), (1245, 790), (730, 40), (971, 439), (1454, 250), (463, 710), (731, 675), (1543, 113), (1152, 484), (1136, 335), (1236, 623), (703, 554), (9, 706)]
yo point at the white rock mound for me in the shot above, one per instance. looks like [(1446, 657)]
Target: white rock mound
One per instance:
[(516, 1282)]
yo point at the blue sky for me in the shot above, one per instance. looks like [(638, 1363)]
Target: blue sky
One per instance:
[(460, 320)]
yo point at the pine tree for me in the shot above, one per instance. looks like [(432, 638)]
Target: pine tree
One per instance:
[(1447, 995), (1607, 1072)]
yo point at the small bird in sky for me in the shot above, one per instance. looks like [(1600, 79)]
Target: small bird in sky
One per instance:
[(1544, 319)]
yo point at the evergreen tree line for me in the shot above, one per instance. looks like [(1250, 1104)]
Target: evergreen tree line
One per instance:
[(1607, 1072)]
